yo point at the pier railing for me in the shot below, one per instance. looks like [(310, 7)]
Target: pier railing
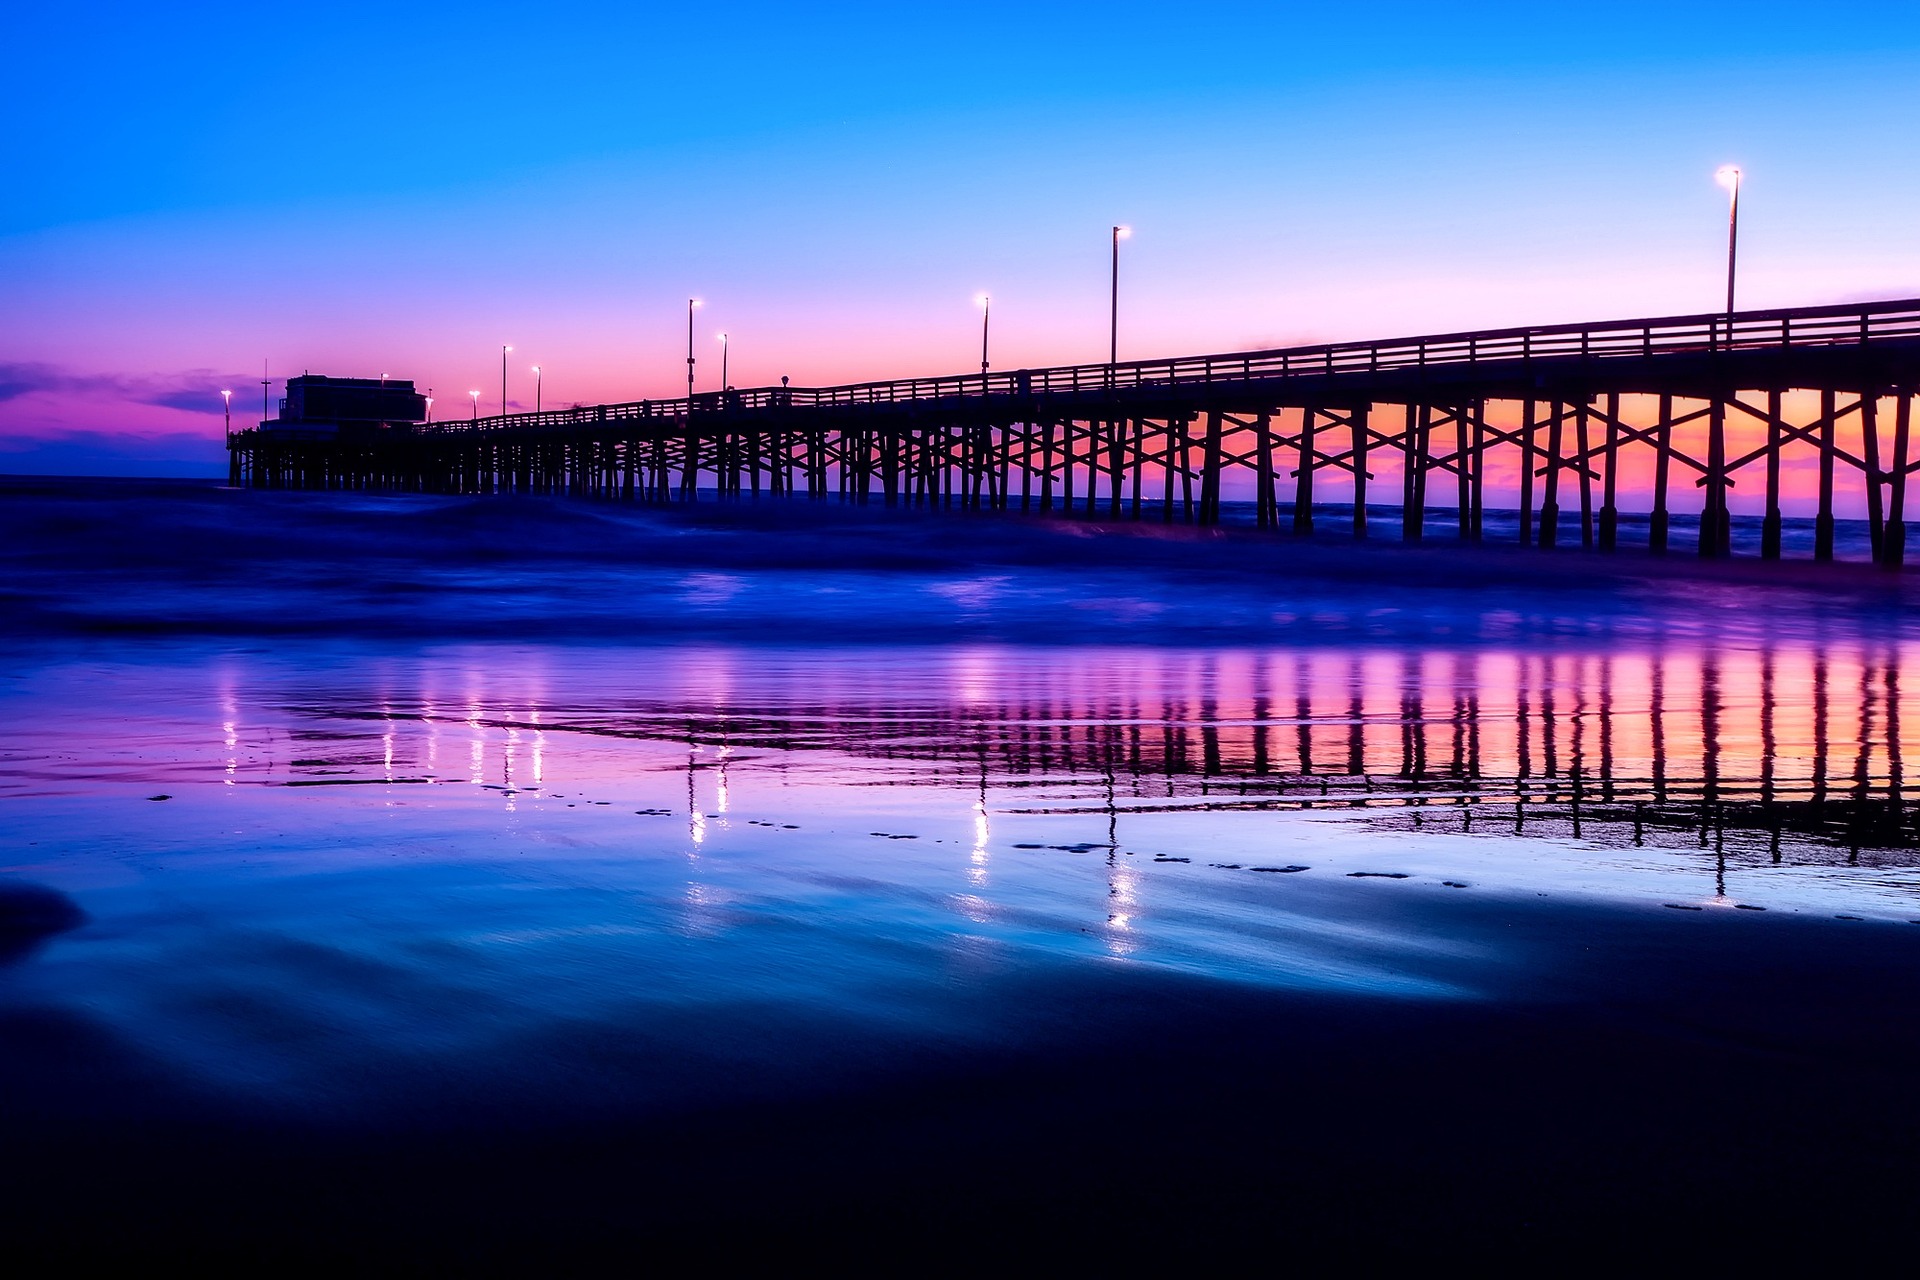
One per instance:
[(1864, 324)]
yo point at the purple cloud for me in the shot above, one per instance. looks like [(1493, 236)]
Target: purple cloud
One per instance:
[(191, 390)]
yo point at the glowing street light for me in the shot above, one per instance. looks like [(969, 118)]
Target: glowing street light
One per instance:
[(503, 380), (1113, 314), (476, 405), (429, 404), (227, 396), (724, 345), (986, 314), (691, 304), (536, 388), (1728, 176)]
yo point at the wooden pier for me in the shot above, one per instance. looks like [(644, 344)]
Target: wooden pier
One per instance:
[(1558, 421)]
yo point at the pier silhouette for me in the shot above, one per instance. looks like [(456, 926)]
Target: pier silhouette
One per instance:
[(1566, 421)]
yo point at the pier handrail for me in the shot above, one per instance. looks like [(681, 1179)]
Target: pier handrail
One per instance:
[(1855, 324)]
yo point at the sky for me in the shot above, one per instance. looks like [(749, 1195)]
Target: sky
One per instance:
[(358, 190)]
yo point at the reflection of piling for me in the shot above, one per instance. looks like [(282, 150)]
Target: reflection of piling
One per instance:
[(1788, 747)]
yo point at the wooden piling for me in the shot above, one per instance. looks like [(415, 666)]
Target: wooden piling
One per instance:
[(1609, 498), (1263, 496), (1662, 469), (1870, 454), (1210, 476), (1529, 429), (1357, 423), (1550, 501), (1716, 529), (1823, 517), (1896, 536), (1463, 473), (1303, 477)]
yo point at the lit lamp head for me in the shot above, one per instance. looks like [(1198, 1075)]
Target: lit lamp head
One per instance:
[(536, 369), (228, 396), (1728, 176), (982, 300), (721, 338), (1121, 233)]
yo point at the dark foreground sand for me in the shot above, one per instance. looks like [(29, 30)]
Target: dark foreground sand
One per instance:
[(1699, 1084)]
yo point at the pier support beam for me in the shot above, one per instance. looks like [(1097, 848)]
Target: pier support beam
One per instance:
[(1303, 478), (1716, 531), (1528, 441), (1357, 419), (1550, 500), (1609, 498), (1210, 473), (1823, 517), (1662, 473), (1771, 524), (1895, 542)]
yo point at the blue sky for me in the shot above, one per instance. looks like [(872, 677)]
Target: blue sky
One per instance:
[(357, 189)]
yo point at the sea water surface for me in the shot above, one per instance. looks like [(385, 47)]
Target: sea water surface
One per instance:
[(339, 813)]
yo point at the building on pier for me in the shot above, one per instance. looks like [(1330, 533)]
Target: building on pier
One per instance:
[(319, 407)]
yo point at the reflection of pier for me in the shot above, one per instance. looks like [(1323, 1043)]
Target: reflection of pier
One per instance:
[(1563, 424), (1802, 745)]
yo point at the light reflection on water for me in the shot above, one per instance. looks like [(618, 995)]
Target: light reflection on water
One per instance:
[(490, 839), (1803, 742)]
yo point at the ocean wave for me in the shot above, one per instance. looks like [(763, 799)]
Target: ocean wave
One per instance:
[(132, 558)]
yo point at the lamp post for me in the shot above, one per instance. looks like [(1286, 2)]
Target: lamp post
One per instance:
[(503, 380), (265, 382), (429, 404), (476, 406), (1715, 521), (227, 397), (1728, 176), (691, 304), (536, 388), (1113, 312), (986, 314), (725, 344)]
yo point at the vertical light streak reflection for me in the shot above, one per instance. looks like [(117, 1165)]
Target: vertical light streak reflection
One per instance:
[(386, 738), (230, 728), (696, 820), (982, 833), (1122, 904), (539, 750), (477, 751), (506, 766)]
